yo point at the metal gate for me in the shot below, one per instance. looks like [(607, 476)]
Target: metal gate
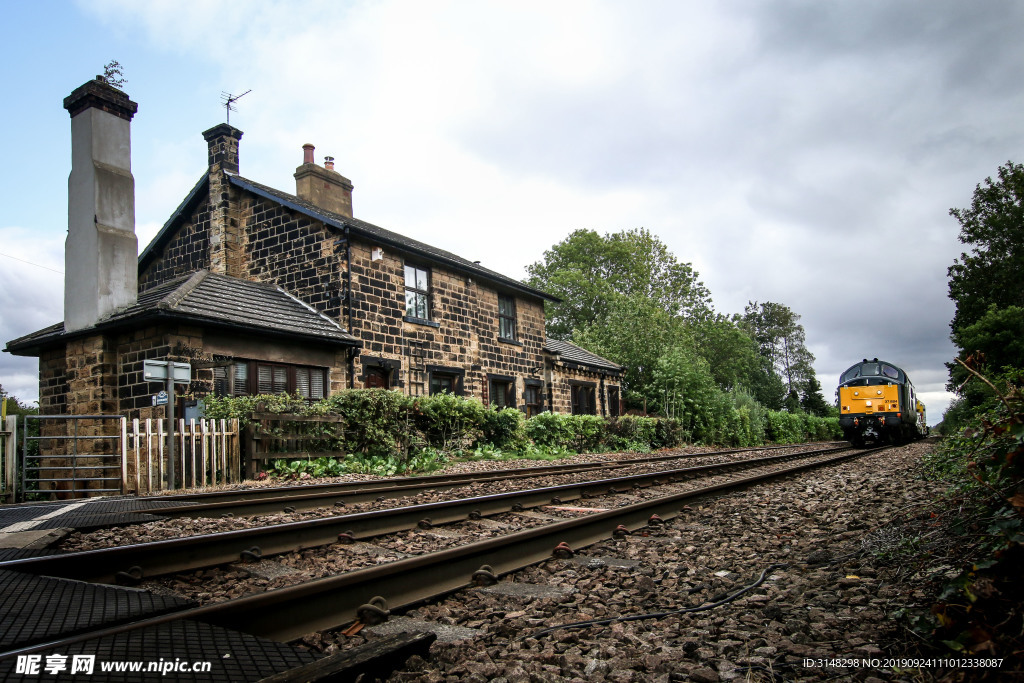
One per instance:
[(8, 453), (72, 456)]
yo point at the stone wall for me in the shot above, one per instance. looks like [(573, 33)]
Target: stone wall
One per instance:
[(293, 251), (186, 251), (461, 333), (307, 258), (563, 376)]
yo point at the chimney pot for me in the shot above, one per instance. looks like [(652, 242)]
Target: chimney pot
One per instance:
[(322, 185)]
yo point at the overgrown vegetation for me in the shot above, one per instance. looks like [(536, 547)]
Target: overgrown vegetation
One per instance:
[(979, 610), (386, 432), (626, 297)]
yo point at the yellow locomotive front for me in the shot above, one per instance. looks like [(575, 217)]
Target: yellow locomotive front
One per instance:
[(877, 404)]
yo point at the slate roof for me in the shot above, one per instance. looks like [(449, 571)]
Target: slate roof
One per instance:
[(571, 353), (357, 227), (212, 300)]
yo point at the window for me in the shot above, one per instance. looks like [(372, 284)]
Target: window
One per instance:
[(532, 400), (377, 378), (441, 382), (582, 399), (231, 380), (506, 317), (613, 401), (503, 392), (444, 378), (417, 292), (247, 378)]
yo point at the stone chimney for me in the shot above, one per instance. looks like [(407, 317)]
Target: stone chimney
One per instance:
[(323, 186), (101, 250), (222, 141), (225, 224)]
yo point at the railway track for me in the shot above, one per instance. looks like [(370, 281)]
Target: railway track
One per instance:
[(306, 497), (129, 564), (288, 613)]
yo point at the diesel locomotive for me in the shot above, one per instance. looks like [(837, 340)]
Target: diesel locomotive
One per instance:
[(878, 404)]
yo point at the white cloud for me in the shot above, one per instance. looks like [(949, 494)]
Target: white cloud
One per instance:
[(793, 152)]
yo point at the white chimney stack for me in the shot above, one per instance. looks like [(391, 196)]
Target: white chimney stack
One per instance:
[(101, 251)]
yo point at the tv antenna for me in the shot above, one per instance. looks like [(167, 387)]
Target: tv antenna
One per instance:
[(229, 102)]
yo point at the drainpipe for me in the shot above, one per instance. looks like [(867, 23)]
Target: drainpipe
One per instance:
[(348, 306)]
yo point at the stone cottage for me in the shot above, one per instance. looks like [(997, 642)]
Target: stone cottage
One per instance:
[(264, 291)]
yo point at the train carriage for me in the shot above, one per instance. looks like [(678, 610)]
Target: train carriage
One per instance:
[(878, 404)]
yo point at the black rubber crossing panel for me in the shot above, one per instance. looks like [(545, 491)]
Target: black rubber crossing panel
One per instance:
[(97, 512), (83, 520), (35, 609), (172, 647), (18, 553)]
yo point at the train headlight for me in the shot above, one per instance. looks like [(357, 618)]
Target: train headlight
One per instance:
[(879, 392), (868, 404)]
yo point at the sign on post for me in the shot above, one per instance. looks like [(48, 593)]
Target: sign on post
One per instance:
[(156, 371)]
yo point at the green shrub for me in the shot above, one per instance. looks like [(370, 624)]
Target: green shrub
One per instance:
[(377, 422), (449, 422), (241, 408), (785, 427), (668, 433), (549, 430), (635, 432), (504, 429), (588, 432)]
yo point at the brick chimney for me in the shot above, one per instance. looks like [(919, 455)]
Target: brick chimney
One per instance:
[(101, 250), (322, 185), (225, 225)]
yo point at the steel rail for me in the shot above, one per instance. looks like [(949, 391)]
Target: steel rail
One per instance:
[(435, 480), (295, 499), (285, 614), (130, 563)]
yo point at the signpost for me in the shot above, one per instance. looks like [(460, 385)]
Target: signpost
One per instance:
[(171, 373)]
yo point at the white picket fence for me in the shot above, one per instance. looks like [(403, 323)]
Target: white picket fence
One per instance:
[(207, 453)]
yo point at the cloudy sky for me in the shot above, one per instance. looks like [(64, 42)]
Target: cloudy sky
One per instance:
[(805, 153)]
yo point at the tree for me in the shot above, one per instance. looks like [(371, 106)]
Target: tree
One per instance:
[(635, 332), (993, 227), (811, 400), (589, 272), (780, 337), (15, 406), (985, 285)]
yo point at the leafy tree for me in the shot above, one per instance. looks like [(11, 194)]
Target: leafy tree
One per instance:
[(15, 406), (993, 227), (589, 272), (986, 287), (780, 337), (635, 333), (685, 382), (996, 343), (734, 358), (811, 400)]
